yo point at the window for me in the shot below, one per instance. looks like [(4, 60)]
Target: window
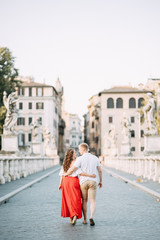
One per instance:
[(73, 144), (133, 149), (132, 119), (40, 120), (29, 137), (67, 140), (142, 133), (132, 103), (119, 103), (55, 123), (21, 140), (110, 119), (132, 133), (55, 110), (29, 105), (30, 92), (140, 102), (29, 120), (21, 91), (110, 103), (39, 105), (39, 92), (73, 136), (92, 124), (20, 121), (142, 149), (20, 105)]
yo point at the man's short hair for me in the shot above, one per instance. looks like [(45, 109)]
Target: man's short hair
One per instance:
[(84, 146)]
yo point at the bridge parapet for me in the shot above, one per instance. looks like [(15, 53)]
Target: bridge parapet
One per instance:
[(12, 168), (146, 167)]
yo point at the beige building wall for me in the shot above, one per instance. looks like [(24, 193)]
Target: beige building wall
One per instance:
[(73, 133), (137, 142), (49, 114)]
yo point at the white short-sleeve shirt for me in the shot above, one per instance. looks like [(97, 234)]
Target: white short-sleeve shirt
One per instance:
[(88, 164)]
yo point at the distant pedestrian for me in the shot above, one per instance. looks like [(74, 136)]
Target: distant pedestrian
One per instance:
[(88, 163), (71, 193)]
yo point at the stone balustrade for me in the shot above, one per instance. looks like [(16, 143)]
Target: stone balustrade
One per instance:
[(146, 167), (12, 168)]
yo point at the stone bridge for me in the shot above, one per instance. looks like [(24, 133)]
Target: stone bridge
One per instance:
[(30, 209)]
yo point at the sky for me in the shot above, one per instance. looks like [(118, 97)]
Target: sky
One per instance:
[(91, 45)]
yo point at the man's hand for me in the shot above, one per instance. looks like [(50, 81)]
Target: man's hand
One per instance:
[(65, 174), (100, 184)]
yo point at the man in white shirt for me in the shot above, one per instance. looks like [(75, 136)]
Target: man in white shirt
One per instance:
[(88, 163)]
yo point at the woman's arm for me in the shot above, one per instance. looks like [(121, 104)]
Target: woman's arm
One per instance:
[(87, 175), (60, 184)]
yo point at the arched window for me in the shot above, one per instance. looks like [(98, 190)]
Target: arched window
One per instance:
[(119, 103), (132, 103), (110, 103), (140, 104)]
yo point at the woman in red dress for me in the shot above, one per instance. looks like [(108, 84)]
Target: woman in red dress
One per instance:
[(71, 193)]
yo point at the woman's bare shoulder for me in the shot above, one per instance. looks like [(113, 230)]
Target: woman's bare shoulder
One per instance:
[(72, 163)]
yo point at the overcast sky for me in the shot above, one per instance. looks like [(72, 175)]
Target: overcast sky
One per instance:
[(90, 44)]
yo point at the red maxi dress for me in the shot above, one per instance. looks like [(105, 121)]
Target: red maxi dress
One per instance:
[(71, 196)]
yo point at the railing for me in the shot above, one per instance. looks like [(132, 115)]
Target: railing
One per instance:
[(146, 167), (12, 168)]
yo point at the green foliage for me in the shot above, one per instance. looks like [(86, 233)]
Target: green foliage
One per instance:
[(8, 82)]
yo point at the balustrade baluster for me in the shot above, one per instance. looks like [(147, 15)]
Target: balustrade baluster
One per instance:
[(11, 169), (2, 179), (6, 171)]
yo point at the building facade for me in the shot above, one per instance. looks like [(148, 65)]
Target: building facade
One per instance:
[(37, 102), (73, 133), (107, 110)]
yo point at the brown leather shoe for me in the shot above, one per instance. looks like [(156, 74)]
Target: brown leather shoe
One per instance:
[(92, 223)]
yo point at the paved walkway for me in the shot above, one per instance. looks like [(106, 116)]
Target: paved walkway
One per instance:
[(123, 213)]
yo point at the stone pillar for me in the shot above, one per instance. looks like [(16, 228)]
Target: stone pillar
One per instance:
[(9, 143), (16, 169), (24, 172), (11, 170), (2, 179), (152, 145), (37, 148), (6, 171), (125, 149)]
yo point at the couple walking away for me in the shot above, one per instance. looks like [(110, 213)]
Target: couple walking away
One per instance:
[(79, 178)]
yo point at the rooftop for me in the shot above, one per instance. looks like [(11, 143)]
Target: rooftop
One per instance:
[(124, 89)]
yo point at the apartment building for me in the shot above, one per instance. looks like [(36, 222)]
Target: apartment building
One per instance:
[(40, 102), (72, 133), (107, 109)]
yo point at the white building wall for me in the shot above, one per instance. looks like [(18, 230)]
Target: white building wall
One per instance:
[(48, 113), (117, 115)]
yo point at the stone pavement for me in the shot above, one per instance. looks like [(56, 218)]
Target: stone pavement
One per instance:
[(13, 185), (155, 186), (123, 213)]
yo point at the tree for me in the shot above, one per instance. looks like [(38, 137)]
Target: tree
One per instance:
[(8, 82)]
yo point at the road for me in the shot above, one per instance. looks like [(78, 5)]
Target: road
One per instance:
[(123, 213)]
